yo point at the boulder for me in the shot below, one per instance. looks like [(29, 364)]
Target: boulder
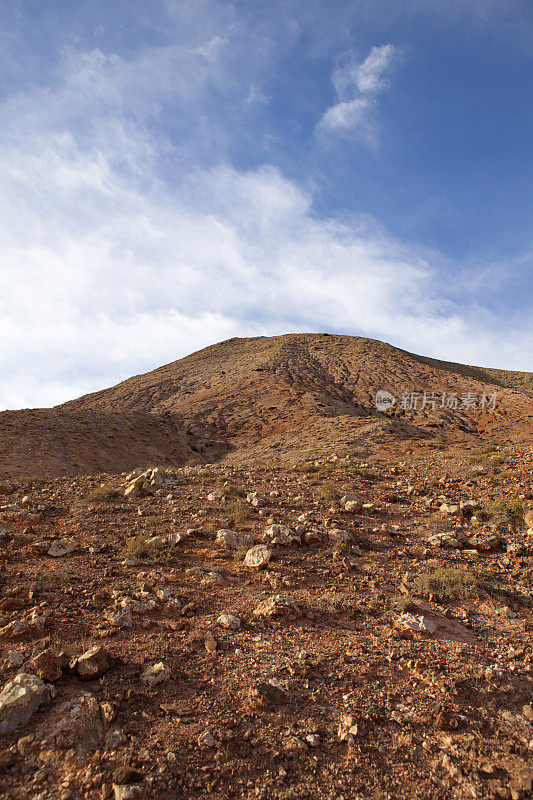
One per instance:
[(77, 724)]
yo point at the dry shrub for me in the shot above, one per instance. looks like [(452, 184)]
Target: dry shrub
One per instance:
[(451, 583)]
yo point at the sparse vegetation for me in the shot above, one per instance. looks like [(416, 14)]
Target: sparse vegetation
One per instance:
[(140, 546), (328, 491), (450, 583), (505, 513), (403, 602), (103, 494), (239, 511)]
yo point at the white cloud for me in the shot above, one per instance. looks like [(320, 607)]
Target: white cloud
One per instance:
[(357, 84), (108, 269), (370, 75)]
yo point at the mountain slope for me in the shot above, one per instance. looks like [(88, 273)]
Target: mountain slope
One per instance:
[(282, 397)]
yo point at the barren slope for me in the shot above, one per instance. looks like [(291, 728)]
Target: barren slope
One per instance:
[(279, 398)]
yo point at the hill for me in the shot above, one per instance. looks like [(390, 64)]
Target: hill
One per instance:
[(276, 398)]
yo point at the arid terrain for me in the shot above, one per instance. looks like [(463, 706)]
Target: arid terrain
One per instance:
[(235, 577)]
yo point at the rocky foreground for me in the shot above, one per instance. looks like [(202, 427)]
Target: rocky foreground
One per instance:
[(337, 628)]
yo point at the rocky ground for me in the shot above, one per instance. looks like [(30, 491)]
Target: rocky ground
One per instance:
[(347, 627)]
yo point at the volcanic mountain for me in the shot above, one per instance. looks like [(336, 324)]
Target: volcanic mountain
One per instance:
[(280, 399)]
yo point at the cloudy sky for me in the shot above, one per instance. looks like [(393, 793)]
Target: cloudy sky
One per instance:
[(177, 173)]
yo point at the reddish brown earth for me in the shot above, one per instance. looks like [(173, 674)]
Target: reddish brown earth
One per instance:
[(364, 707)]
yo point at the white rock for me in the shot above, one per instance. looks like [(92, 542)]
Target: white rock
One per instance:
[(231, 539), (353, 506), (280, 534), (158, 673), (229, 621), (338, 535), (417, 623), (20, 699), (258, 556), (62, 547)]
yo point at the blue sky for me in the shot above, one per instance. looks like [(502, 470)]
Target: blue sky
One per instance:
[(176, 173)]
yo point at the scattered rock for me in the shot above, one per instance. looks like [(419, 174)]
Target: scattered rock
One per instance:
[(258, 557), (280, 605), (93, 663), (20, 699), (158, 673), (61, 547), (47, 665), (348, 728), (229, 621), (231, 539)]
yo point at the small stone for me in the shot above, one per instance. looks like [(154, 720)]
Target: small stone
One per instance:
[(93, 663), (15, 659), (216, 495), (206, 739), (353, 506), (121, 618), (61, 547), (267, 693), (123, 776), (229, 621), (158, 673), (230, 539), (210, 642), (338, 535), (47, 665), (449, 509), (280, 605), (257, 557), (127, 784)]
